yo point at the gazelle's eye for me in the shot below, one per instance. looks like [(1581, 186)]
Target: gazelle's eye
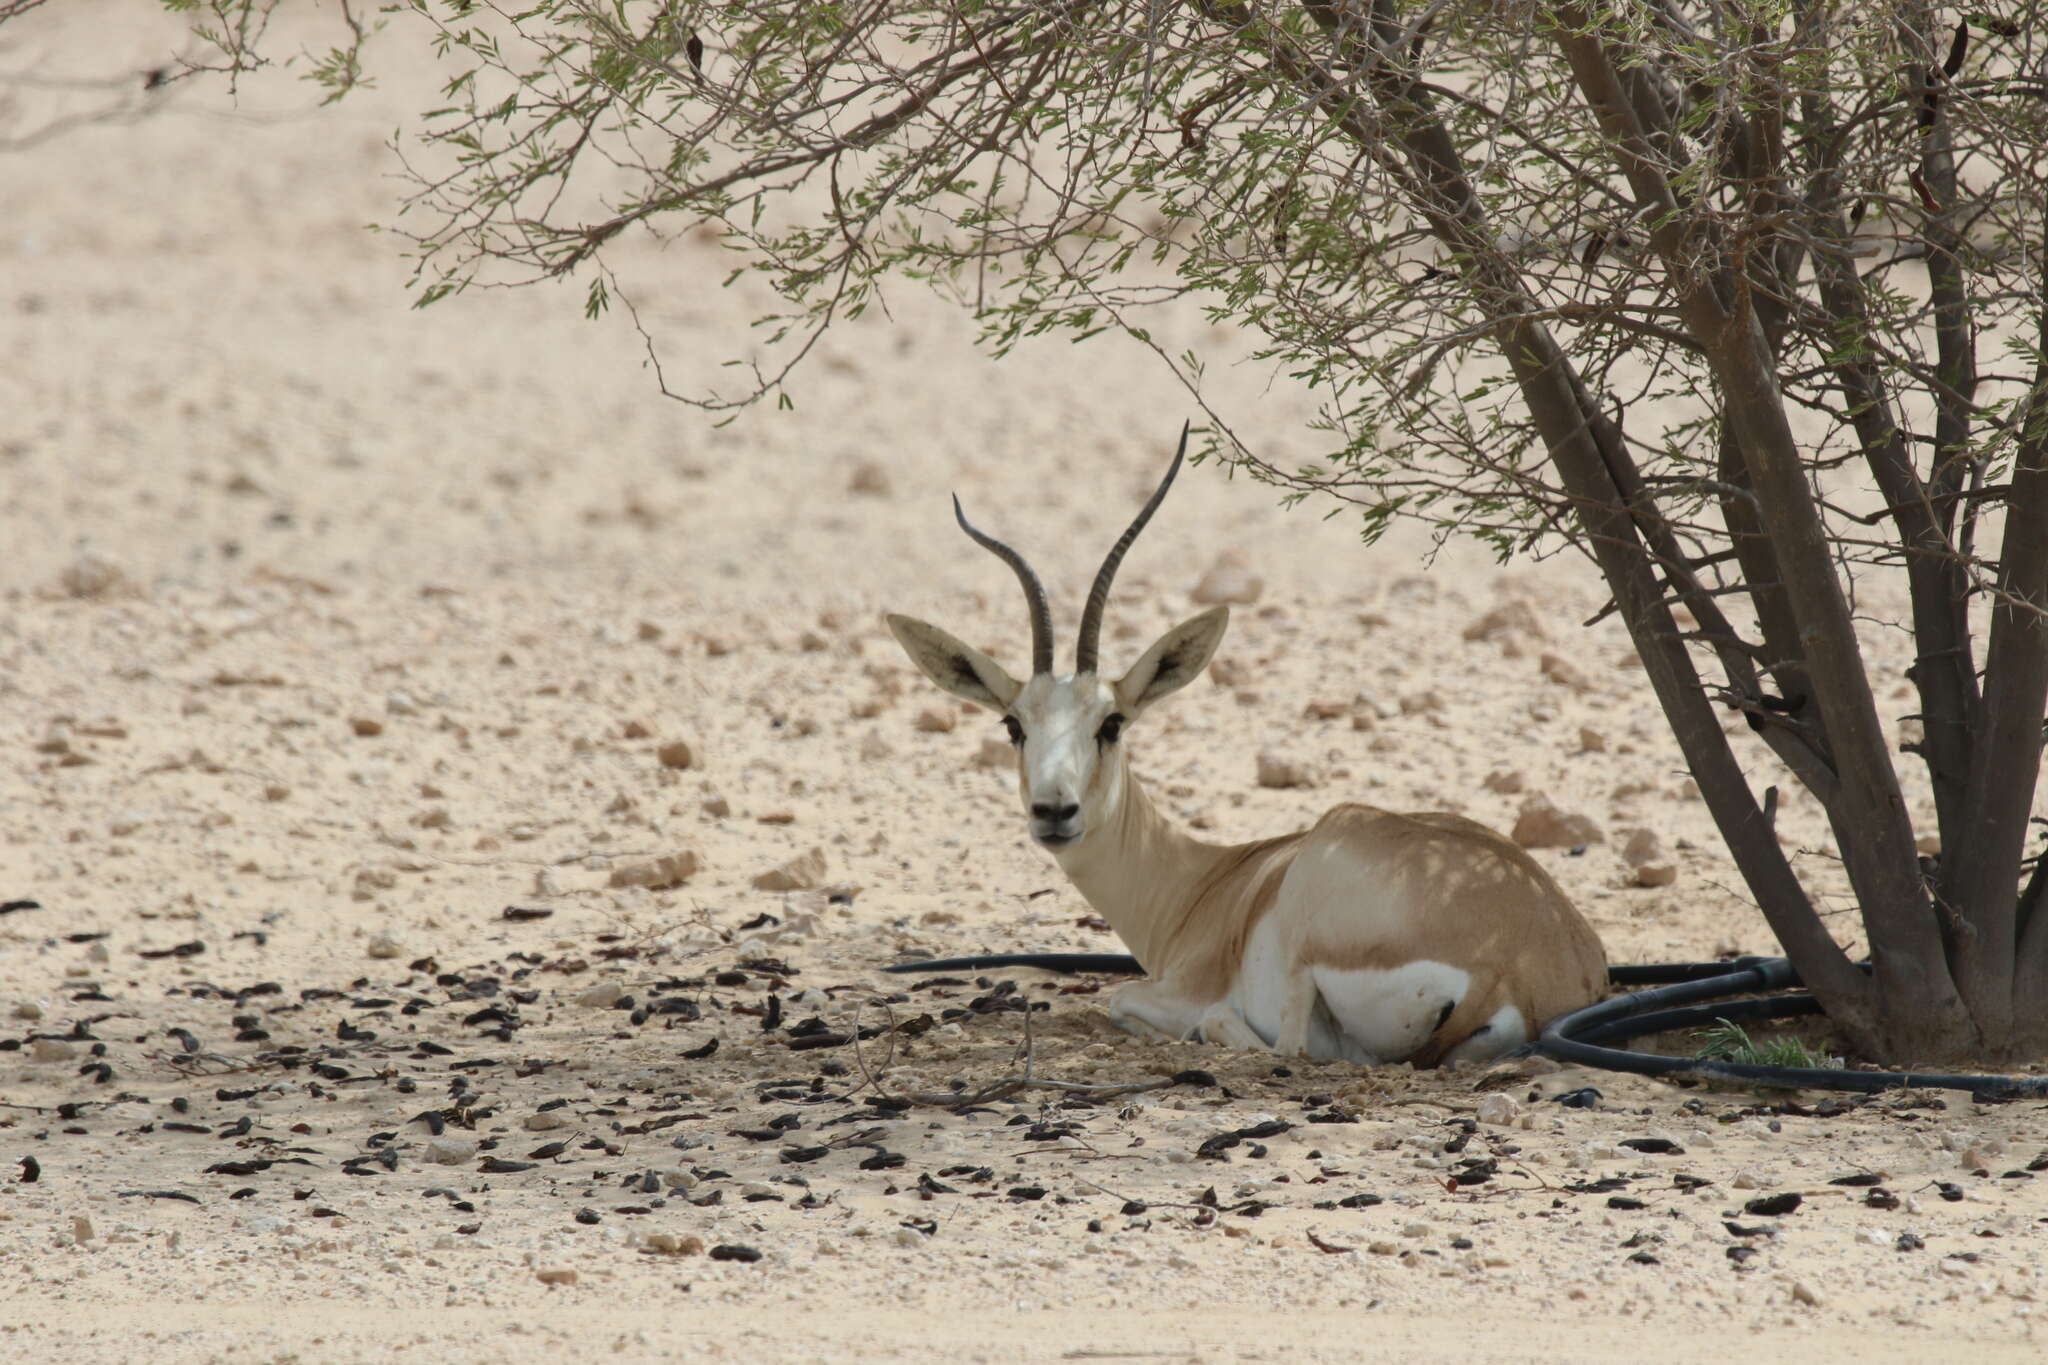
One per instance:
[(1112, 726), (1015, 728)]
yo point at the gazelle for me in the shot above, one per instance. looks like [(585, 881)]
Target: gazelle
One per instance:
[(1370, 936)]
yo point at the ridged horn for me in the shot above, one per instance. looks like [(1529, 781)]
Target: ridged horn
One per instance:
[(1034, 591), (1098, 596)]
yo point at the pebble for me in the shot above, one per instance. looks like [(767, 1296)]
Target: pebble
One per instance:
[(366, 726), (383, 946), (1498, 1110), (674, 1244), (52, 1050), (81, 1228), (937, 720), (870, 479), (995, 753), (1649, 864), (1539, 824), (1281, 771), (447, 1151), (555, 1275), (798, 874), (600, 996), (1563, 672), (92, 575), (546, 1121), (659, 873), (1803, 1293), (1229, 579), (908, 1237), (676, 754), (1508, 782), (28, 1009), (1506, 620)]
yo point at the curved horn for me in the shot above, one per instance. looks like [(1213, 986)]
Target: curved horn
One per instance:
[(1034, 591), (1098, 596)]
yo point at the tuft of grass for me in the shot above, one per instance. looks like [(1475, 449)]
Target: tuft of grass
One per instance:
[(1730, 1042)]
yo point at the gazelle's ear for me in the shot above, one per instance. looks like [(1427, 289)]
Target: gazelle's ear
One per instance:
[(1176, 660), (961, 669)]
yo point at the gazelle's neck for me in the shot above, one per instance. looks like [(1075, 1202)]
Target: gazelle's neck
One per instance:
[(1140, 871)]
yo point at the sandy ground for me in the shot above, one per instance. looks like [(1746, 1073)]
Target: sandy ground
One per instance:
[(334, 632)]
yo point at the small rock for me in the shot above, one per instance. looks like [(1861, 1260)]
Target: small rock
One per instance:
[(1642, 846), (555, 1275), (717, 807), (81, 1228), (798, 874), (1803, 1293), (995, 753), (447, 1151), (673, 1244), (1748, 1179), (1656, 874), (545, 1122), (1563, 672), (870, 479), (366, 726), (634, 729), (1498, 1110), (1279, 770), (1539, 824), (1506, 781), (1506, 621), (937, 720), (93, 575), (1647, 860), (383, 947), (601, 995), (908, 1237), (657, 874), (28, 1009), (1229, 579), (275, 791), (1591, 741), (1422, 703), (676, 754)]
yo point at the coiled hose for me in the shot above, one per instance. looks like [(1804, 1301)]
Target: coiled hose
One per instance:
[(1675, 1000)]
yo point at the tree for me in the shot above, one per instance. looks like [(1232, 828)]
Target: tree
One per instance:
[(1744, 300)]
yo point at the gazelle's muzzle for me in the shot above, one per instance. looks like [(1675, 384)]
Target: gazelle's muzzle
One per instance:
[(1056, 825)]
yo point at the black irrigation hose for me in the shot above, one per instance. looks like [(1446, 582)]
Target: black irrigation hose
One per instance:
[(1674, 1002)]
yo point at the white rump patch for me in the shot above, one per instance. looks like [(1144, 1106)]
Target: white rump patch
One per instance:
[(1503, 1033), (1386, 1014)]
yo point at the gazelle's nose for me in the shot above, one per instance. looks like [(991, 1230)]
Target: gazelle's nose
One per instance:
[(1051, 814)]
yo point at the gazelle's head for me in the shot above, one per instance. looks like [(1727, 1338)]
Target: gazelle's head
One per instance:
[(1068, 729)]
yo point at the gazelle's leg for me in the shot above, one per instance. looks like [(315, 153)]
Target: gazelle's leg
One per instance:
[(1222, 1025), (1144, 1009), (1291, 1040)]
